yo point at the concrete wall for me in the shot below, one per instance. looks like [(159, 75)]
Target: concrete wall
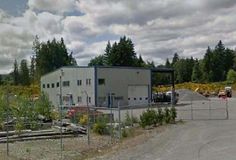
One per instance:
[(71, 74), (117, 81)]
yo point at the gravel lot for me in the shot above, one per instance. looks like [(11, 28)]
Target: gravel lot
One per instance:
[(194, 140)]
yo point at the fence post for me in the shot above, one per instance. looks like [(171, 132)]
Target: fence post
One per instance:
[(119, 120), (227, 109), (110, 118), (209, 109)]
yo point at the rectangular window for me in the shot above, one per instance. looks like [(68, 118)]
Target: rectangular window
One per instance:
[(58, 84), (52, 85), (79, 99), (79, 82), (43, 85), (48, 85), (89, 99), (66, 83), (88, 81), (101, 81)]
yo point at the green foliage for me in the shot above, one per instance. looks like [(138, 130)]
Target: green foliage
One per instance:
[(97, 61), (196, 74), (231, 76), (100, 126), (127, 132), (148, 118), (160, 116), (129, 121), (120, 53), (43, 106), (51, 55), (24, 73), (173, 114), (167, 116)]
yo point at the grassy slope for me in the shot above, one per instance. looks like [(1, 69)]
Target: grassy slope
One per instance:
[(20, 90)]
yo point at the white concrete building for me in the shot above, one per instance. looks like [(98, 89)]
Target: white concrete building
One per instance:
[(129, 85)]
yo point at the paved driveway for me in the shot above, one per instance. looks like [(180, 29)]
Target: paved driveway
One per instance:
[(193, 140)]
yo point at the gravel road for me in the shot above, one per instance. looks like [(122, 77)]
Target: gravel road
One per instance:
[(193, 140)]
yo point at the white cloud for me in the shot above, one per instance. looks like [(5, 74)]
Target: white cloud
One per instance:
[(58, 6), (158, 28)]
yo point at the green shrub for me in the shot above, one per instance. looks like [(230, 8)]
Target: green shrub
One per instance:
[(167, 115), (100, 126), (129, 121), (160, 116), (148, 118), (173, 114), (127, 132)]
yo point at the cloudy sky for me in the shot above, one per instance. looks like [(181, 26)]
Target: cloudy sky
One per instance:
[(158, 28)]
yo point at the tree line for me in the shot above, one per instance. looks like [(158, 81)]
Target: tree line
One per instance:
[(47, 56), (218, 64)]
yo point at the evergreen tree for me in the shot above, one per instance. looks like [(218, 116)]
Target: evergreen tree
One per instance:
[(32, 70), (167, 65), (107, 54), (24, 73), (175, 59), (97, 61), (196, 74), (15, 74), (140, 62), (51, 55)]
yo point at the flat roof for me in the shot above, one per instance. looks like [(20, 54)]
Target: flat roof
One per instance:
[(157, 69)]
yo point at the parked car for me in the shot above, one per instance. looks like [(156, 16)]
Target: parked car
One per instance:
[(165, 97)]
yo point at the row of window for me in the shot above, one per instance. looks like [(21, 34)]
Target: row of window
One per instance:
[(79, 83), (139, 98)]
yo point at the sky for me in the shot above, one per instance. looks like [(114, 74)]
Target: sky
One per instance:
[(158, 28)]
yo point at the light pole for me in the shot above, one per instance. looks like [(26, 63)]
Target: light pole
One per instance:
[(88, 125)]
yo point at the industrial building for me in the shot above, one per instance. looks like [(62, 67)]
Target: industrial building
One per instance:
[(81, 86)]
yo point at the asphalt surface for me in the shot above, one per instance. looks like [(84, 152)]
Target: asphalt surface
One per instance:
[(193, 140)]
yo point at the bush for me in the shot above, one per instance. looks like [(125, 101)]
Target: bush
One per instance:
[(127, 132), (167, 115), (173, 114), (129, 121), (160, 116), (100, 125), (148, 118), (83, 120)]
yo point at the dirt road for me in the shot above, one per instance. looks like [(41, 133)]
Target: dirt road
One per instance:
[(193, 140)]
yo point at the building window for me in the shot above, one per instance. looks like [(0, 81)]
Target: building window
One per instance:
[(52, 85), (79, 99), (66, 83), (101, 81), (43, 85), (58, 84), (146, 98), (88, 81), (79, 82), (89, 99), (48, 85), (128, 98), (135, 99)]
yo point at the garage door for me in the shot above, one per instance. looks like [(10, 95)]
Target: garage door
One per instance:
[(137, 94)]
